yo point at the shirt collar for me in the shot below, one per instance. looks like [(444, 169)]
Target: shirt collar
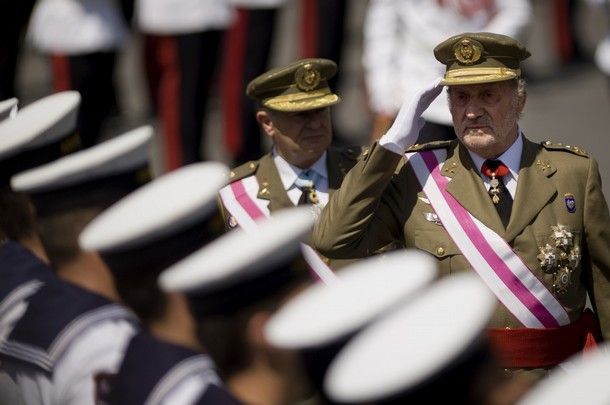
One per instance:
[(289, 173), (511, 157)]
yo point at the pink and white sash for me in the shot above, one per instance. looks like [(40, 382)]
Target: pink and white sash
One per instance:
[(490, 256), (239, 198)]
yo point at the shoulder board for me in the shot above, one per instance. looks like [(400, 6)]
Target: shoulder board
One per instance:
[(430, 145), (242, 171), (354, 152), (568, 148)]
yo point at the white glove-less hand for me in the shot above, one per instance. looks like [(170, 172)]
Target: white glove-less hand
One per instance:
[(404, 131)]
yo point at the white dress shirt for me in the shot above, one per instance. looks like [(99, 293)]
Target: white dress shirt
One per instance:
[(289, 173)]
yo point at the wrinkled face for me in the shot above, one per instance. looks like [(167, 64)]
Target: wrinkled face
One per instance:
[(299, 137), (485, 116)]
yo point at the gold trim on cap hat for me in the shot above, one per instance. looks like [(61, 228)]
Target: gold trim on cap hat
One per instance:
[(307, 77), (468, 51), (301, 101), (479, 75)]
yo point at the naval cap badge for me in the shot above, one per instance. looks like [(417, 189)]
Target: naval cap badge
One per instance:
[(468, 51), (307, 77)]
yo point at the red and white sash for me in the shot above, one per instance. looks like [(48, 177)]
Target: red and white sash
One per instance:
[(239, 198), (490, 256)]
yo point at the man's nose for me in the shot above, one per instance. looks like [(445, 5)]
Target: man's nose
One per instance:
[(473, 110)]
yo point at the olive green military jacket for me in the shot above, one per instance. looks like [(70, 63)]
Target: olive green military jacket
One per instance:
[(271, 188), (381, 201)]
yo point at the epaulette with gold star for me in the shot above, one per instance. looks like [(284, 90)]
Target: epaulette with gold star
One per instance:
[(568, 148), (429, 145), (245, 170)]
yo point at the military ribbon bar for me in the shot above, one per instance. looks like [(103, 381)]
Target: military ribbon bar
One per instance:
[(491, 257)]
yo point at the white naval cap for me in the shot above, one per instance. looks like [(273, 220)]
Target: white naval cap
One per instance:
[(323, 314), (240, 267), (104, 172), (414, 345), (581, 379), (161, 222), (39, 133), (8, 108)]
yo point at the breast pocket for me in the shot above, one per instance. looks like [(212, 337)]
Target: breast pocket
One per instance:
[(436, 242)]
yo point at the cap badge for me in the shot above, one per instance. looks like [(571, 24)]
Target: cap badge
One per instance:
[(468, 51), (307, 77)]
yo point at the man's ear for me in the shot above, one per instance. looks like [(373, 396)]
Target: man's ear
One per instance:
[(264, 120), (521, 100)]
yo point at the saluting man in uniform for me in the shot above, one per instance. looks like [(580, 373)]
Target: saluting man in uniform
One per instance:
[(529, 218)]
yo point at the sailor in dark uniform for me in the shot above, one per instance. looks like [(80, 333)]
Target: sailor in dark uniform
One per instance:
[(247, 277), (137, 238), (155, 372), (66, 336), (41, 132), (319, 321), (426, 350)]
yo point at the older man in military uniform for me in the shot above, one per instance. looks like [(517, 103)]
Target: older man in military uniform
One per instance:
[(294, 110), (529, 218)]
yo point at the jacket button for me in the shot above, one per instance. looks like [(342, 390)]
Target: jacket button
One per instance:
[(440, 251)]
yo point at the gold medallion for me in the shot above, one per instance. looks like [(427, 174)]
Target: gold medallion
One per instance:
[(312, 196), (468, 51), (494, 191), (307, 77), (563, 279), (560, 258)]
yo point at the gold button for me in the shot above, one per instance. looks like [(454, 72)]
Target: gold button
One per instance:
[(251, 165), (232, 174), (440, 251)]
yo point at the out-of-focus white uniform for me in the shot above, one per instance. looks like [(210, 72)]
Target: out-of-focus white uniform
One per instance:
[(182, 16), (182, 49), (400, 35), (73, 27)]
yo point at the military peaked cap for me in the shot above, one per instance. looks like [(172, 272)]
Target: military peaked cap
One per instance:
[(480, 57), (299, 86)]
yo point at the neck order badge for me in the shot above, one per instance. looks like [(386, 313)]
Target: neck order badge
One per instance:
[(306, 182)]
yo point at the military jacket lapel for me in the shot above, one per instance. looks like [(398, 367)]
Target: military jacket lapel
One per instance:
[(534, 188), (467, 187), (270, 185)]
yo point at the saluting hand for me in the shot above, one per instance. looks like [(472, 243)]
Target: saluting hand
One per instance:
[(404, 131)]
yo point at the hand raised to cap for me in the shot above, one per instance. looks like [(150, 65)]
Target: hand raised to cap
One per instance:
[(404, 131)]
